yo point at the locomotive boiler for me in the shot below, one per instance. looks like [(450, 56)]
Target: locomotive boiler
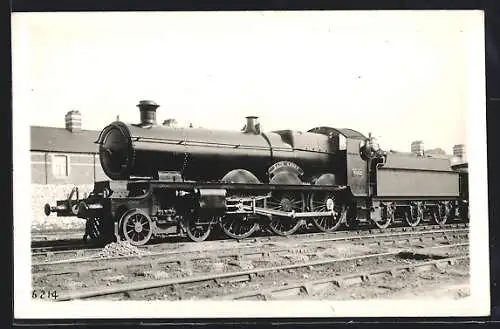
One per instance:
[(167, 180), (146, 149)]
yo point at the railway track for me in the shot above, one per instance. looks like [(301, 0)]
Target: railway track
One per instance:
[(76, 246), (185, 288), (45, 236), (182, 263), (312, 287), (71, 248), (247, 251)]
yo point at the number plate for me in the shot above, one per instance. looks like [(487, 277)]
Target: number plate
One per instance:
[(357, 172)]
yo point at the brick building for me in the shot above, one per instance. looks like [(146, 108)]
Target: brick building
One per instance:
[(65, 155)]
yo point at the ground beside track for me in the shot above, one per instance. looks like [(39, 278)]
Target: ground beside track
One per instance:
[(452, 283)]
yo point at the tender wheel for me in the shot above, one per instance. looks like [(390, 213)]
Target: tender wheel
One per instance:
[(198, 228), (137, 227), (442, 213), (285, 202), (386, 219), (464, 213), (238, 226), (414, 215), (326, 202)]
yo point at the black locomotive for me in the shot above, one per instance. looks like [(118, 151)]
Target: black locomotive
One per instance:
[(186, 181)]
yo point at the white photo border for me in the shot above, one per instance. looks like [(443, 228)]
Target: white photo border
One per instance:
[(478, 304)]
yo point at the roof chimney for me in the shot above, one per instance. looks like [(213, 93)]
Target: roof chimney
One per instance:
[(459, 151), (417, 147), (73, 121), (148, 112), (252, 126)]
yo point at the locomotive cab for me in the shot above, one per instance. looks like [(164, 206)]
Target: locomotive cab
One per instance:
[(350, 168)]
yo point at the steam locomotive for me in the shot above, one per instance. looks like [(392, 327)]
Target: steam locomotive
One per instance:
[(188, 181)]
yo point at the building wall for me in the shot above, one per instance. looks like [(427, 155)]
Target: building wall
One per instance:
[(99, 173), (65, 168), (50, 193)]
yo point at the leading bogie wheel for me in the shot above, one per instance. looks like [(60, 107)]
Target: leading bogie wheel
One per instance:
[(137, 227), (198, 228), (94, 229), (238, 226), (323, 202)]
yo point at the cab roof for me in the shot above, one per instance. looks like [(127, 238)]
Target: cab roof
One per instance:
[(346, 132)]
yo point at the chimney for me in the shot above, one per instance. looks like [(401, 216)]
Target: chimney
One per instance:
[(252, 126), (148, 112), (73, 121), (417, 147), (459, 151)]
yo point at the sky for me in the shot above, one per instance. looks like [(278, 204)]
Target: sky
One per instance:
[(402, 76)]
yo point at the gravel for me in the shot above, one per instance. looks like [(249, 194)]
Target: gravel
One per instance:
[(121, 248)]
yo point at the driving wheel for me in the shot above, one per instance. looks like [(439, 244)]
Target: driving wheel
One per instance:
[(323, 202), (286, 202)]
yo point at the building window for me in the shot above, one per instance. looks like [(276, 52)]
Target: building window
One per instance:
[(60, 166)]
